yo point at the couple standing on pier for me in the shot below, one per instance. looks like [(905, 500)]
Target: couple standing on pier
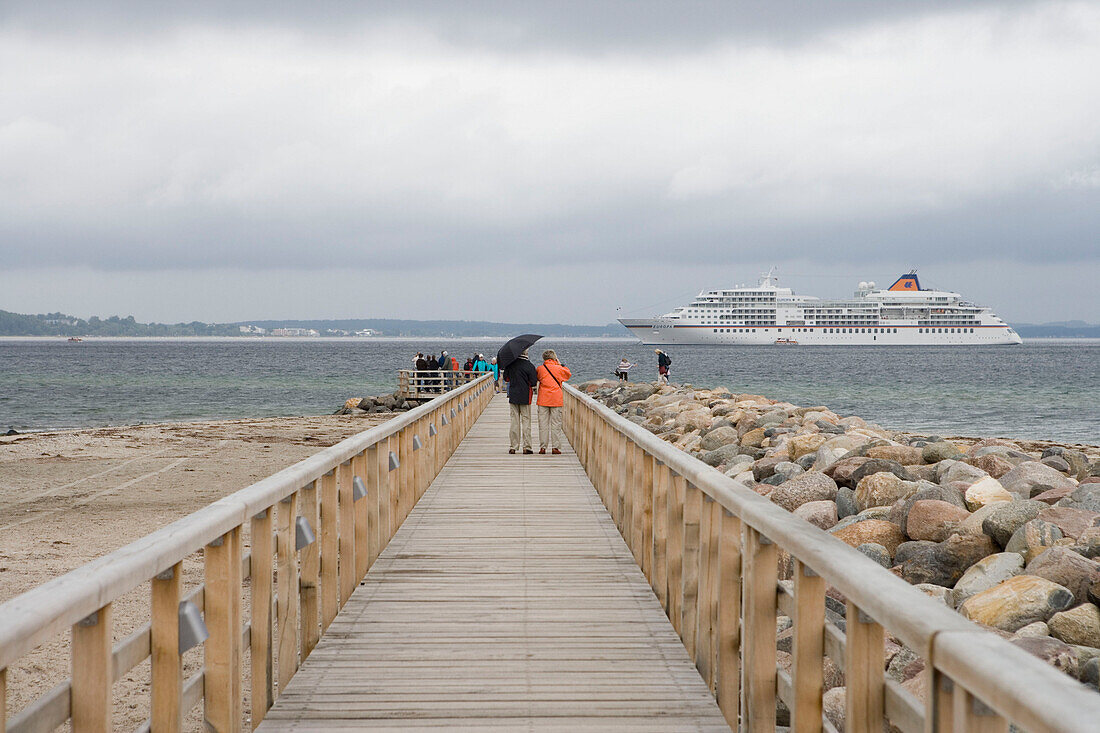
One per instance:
[(524, 381)]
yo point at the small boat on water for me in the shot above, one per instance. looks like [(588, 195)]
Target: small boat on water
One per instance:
[(73, 339), (786, 342)]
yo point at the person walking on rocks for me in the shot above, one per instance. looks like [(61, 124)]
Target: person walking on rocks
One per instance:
[(522, 380), (622, 371), (551, 374), (664, 365)]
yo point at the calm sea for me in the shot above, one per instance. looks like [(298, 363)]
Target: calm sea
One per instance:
[(1046, 390)]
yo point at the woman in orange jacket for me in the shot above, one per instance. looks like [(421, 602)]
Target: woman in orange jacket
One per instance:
[(551, 375)]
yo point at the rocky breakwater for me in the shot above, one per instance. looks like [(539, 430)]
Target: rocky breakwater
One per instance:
[(393, 402), (1006, 534)]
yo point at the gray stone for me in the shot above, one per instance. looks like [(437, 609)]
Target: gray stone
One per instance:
[(821, 514), (718, 456), (1065, 567), (1009, 516), (964, 472), (802, 489), (1057, 463), (941, 450), (941, 563), (878, 465), (876, 552), (1057, 654), (1085, 496), (718, 437), (846, 505), (788, 470), (1032, 478), (1033, 538), (986, 573), (1078, 625)]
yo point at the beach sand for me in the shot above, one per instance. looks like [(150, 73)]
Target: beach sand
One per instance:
[(69, 497)]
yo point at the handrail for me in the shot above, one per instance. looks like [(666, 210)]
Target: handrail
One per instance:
[(980, 664), (84, 595)]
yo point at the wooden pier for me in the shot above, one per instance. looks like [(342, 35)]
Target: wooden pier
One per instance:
[(506, 600), (622, 585)]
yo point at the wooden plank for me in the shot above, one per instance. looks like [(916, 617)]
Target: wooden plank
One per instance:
[(758, 638), (222, 613), (808, 647), (676, 552), (263, 694), (507, 600), (728, 689), (659, 577), (359, 469), (289, 588), (346, 570), (305, 564), (863, 673), (166, 673), (704, 659), (328, 500), (971, 714), (646, 488), (91, 702), (693, 506)]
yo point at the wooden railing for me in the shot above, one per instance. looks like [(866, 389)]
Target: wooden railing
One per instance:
[(710, 549), (427, 385), (393, 462)]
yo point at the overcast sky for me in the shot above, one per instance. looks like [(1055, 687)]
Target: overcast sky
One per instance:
[(542, 160)]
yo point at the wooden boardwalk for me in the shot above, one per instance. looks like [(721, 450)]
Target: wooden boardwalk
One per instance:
[(506, 600)]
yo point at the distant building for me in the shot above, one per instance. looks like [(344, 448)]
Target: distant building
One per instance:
[(256, 330), (336, 332), (368, 332), (296, 332)]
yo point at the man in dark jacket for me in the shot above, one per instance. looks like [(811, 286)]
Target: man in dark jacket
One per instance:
[(444, 367), (522, 380)]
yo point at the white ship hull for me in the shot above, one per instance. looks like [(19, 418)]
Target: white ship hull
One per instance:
[(811, 336), (905, 314)]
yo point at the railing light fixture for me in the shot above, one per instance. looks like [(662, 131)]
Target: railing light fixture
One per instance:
[(303, 533), (192, 631), (358, 489)]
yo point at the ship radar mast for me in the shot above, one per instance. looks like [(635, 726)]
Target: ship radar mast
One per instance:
[(769, 278)]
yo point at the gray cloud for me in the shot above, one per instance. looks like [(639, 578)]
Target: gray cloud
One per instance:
[(212, 139)]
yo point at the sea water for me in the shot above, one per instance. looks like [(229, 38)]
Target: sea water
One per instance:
[(1042, 389)]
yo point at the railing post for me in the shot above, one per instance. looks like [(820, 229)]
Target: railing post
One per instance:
[(92, 671), (758, 640), (863, 672), (222, 605), (287, 591), (808, 649), (260, 566), (346, 571), (703, 648), (166, 667), (940, 707), (330, 589), (310, 559), (359, 467), (408, 478), (662, 480), (647, 490), (627, 492), (729, 619), (385, 494), (676, 553), (693, 505)]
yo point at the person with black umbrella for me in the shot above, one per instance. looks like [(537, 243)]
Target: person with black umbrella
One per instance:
[(522, 380)]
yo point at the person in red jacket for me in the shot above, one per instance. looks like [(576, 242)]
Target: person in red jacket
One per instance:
[(551, 375)]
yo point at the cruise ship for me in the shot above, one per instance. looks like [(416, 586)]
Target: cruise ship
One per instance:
[(904, 314)]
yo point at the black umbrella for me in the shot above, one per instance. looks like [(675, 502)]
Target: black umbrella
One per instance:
[(511, 350)]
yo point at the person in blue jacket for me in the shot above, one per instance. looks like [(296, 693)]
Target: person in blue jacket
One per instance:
[(496, 373)]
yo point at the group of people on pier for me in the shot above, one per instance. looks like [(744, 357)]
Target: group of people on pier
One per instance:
[(440, 373)]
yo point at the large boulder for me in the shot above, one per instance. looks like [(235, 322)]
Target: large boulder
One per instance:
[(719, 437), (1057, 654), (818, 513), (878, 465), (802, 489), (841, 471), (1079, 625), (1033, 538), (1072, 522), (987, 573), (995, 465), (941, 563), (1010, 516), (903, 454), (1065, 567), (800, 445), (632, 392), (724, 454), (1017, 602), (963, 473), (697, 419), (934, 520), (878, 531), (1085, 496), (942, 450), (1031, 478), (883, 489), (986, 491)]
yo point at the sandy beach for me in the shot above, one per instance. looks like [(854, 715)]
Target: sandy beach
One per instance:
[(69, 497)]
